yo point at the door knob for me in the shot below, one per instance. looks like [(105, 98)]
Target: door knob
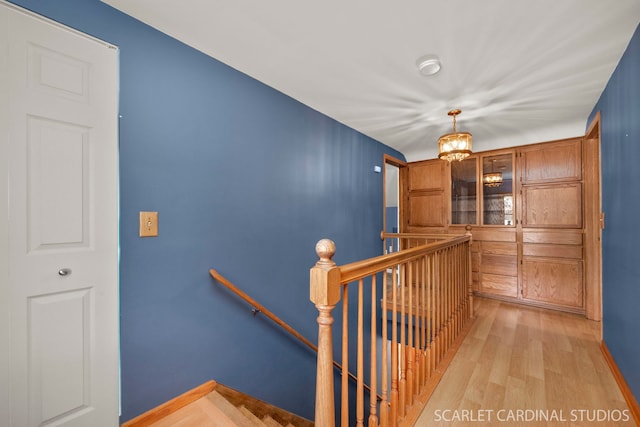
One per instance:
[(64, 271)]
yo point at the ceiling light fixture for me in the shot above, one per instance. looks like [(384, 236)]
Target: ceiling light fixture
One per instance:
[(428, 65), (455, 145)]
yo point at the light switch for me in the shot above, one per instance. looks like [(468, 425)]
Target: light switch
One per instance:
[(148, 224)]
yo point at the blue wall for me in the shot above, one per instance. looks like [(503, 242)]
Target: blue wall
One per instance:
[(619, 106), (245, 180)]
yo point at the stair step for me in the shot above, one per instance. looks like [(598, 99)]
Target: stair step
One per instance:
[(215, 405), (251, 416), (270, 422), (201, 413), (233, 413), (217, 416), (261, 408)]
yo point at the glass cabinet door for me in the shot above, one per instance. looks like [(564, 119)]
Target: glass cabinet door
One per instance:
[(497, 190), (464, 200)]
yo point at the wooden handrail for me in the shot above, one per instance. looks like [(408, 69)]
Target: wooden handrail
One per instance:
[(359, 269), (429, 289), (385, 235), (233, 288)]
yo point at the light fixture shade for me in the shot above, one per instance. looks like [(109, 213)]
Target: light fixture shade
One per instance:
[(492, 179), (455, 145)]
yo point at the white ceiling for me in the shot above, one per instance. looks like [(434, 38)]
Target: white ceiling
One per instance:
[(522, 71)]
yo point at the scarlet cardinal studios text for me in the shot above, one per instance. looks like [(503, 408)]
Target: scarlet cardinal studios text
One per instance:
[(532, 415)]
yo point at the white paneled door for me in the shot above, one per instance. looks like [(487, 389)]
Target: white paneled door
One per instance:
[(59, 220)]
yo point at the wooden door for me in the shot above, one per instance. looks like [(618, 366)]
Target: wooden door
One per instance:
[(59, 141)]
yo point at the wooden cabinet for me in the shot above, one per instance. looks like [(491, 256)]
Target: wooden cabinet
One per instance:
[(527, 233), (552, 224)]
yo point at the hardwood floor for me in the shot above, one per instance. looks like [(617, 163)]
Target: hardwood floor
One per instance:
[(524, 366)]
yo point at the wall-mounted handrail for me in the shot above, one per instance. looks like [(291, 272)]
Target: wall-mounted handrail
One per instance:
[(262, 309), (233, 288)]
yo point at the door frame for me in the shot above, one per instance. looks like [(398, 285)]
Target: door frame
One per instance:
[(593, 221), (401, 165)]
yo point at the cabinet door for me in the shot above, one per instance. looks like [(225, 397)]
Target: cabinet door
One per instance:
[(427, 176), (464, 191), (552, 162), (428, 195), (552, 205), (552, 268), (553, 280), (497, 190), (426, 210)]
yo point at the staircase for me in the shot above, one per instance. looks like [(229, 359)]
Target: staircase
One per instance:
[(215, 405)]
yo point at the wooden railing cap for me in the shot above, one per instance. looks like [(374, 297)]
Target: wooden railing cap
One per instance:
[(325, 249)]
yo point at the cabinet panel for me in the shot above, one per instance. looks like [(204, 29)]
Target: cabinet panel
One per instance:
[(427, 175), (552, 280), (506, 265), (552, 205), (500, 285), (499, 248), (560, 237), (557, 161), (557, 251), (494, 235), (426, 210)]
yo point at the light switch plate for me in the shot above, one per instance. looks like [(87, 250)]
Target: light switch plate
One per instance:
[(148, 224)]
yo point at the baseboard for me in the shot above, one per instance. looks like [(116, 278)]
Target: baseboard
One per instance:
[(624, 387), (161, 411)]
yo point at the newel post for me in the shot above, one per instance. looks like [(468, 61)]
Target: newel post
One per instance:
[(470, 280), (325, 294)]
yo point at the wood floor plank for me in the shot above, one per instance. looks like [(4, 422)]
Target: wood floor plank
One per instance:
[(520, 362)]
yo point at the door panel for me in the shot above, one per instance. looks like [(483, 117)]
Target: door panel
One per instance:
[(60, 136), (59, 330), (58, 174)]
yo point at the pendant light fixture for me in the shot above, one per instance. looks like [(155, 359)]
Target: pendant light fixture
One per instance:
[(455, 145), (492, 179)]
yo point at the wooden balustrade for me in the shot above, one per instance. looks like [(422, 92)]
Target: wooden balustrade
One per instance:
[(422, 314)]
